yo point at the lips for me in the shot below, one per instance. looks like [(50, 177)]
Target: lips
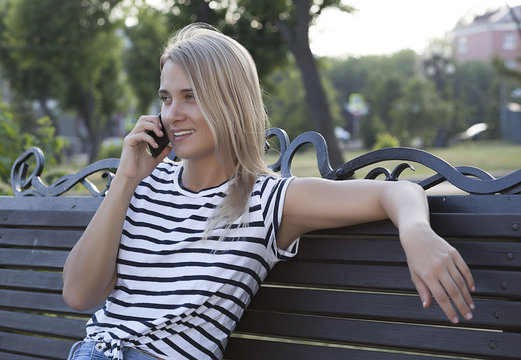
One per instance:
[(183, 132)]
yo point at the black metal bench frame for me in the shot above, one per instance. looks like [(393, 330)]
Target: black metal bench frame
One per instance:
[(348, 294)]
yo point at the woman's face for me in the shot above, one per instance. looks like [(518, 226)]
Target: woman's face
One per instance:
[(183, 120)]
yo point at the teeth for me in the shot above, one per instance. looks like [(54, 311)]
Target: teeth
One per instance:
[(181, 133)]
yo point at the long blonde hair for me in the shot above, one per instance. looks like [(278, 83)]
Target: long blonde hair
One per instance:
[(227, 91)]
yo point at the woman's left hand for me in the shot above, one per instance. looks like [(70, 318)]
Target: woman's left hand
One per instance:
[(438, 270)]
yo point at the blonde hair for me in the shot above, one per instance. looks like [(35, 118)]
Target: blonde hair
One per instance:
[(224, 78)]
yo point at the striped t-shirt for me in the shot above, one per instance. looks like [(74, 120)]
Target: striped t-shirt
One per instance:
[(178, 296)]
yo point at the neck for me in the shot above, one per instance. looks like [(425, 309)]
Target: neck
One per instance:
[(197, 176)]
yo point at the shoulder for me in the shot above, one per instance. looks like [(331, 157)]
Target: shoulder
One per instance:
[(268, 184)]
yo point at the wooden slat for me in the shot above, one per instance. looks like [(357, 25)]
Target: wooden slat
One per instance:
[(62, 203), (44, 302), (42, 325), (447, 224), (33, 258), (45, 348), (257, 349), (489, 283), (389, 250), (491, 314), (67, 219), (475, 204), (25, 279), (11, 356), (39, 238), (477, 225), (447, 340)]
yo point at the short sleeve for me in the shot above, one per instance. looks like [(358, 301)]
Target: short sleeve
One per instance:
[(273, 193)]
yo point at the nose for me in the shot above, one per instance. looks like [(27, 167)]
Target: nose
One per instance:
[(172, 112)]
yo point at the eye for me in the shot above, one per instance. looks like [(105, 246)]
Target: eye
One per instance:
[(164, 99), (190, 96)]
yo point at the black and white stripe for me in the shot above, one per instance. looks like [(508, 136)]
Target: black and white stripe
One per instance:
[(178, 296)]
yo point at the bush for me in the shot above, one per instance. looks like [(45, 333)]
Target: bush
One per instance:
[(369, 130), (385, 140), (110, 149), (14, 142)]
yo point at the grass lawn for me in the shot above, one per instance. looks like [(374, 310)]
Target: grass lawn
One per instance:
[(497, 157)]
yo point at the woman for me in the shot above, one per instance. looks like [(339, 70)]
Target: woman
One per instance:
[(178, 250)]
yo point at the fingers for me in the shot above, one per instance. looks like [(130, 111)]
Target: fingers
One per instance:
[(423, 291), (149, 123), (142, 132), (465, 271), (452, 287)]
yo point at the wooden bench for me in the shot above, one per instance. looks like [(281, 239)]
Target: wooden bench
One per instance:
[(347, 295)]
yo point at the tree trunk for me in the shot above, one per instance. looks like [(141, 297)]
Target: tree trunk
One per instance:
[(93, 126), (318, 106), (296, 36)]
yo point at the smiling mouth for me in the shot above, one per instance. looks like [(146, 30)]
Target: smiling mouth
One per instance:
[(181, 133)]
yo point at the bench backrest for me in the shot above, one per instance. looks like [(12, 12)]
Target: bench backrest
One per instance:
[(348, 294), (36, 235)]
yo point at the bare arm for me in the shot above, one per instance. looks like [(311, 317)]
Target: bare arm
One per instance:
[(436, 268), (89, 274)]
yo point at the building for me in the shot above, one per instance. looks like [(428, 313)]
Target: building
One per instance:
[(495, 33)]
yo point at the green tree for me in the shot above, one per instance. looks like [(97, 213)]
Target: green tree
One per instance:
[(28, 53), (15, 142), (286, 102), (293, 19), (141, 57), (419, 112), (234, 19), (381, 79), (67, 50)]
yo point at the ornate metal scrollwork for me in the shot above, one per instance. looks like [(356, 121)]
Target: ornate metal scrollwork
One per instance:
[(33, 185), (466, 178)]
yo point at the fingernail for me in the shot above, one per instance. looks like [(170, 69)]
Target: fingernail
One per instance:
[(424, 304), (472, 306), (473, 288), (455, 320), (468, 316)]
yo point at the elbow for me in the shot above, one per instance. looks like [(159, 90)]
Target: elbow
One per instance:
[(405, 188), (75, 301), (79, 298)]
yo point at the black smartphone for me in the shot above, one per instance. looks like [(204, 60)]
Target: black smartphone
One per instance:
[(162, 141)]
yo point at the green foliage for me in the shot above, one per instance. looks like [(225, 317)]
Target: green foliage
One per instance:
[(385, 140), (419, 113), (286, 102), (110, 150), (370, 128), (373, 76), (14, 142), (66, 50), (141, 58)]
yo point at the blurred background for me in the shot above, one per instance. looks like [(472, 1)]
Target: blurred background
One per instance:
[(441, 75)]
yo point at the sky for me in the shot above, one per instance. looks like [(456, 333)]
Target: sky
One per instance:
[(382, 27)]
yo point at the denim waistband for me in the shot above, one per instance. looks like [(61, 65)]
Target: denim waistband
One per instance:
[(86, 350)]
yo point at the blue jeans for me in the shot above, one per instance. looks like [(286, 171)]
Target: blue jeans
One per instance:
[(84, 350)]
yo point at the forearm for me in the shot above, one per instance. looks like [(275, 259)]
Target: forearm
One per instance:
[(90, 268)]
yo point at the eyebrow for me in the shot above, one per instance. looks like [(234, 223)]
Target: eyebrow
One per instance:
[(182, 91)]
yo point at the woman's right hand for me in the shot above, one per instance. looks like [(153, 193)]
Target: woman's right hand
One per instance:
[(135, 162)]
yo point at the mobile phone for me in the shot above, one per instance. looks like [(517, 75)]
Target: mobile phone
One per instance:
[(162, 141)]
